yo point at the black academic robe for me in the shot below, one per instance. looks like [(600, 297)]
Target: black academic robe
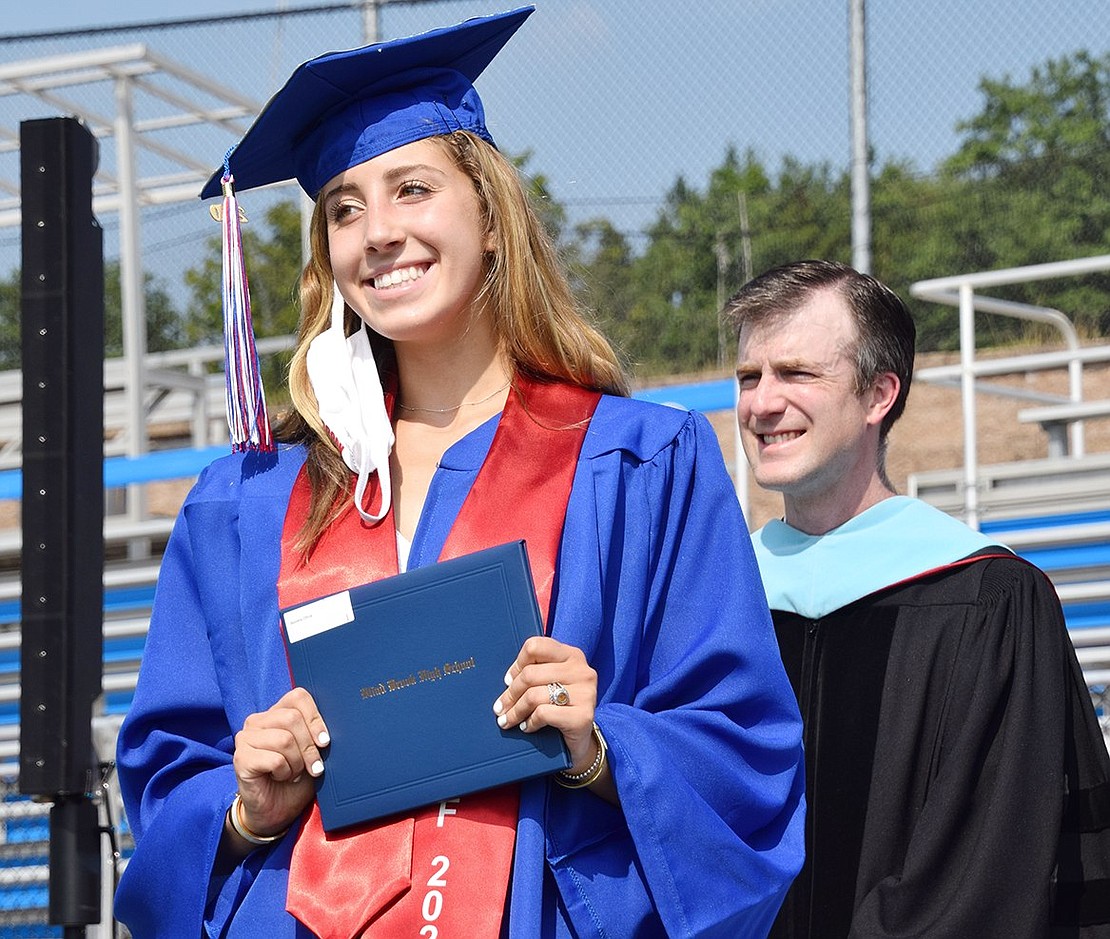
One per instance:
[(958, 784)]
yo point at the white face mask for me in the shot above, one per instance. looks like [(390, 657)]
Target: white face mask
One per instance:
[(348, 391)]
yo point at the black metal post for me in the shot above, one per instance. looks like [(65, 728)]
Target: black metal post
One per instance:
[(62, 559)]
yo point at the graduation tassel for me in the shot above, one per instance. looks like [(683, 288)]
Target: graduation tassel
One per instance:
[(246, 400)]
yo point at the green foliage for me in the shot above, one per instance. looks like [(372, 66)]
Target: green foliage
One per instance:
[(551, 214), (661, 307), (604, 281), (1058, 119), (273, 261), (165, 327), (1027, 184), (9, 321), (1035, 161)]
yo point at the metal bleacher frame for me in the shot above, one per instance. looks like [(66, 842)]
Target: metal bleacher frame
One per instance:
[(129, 583), (184, 403), (181, 392), (1054, 511), (964, 291)]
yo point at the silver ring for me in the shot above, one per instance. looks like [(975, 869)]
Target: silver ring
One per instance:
[(557, 693)]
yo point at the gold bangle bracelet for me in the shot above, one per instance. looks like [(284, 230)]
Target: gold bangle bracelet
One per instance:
[(591, 773), (235, 816)]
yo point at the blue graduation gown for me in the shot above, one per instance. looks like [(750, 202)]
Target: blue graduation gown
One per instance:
[(656, 583)]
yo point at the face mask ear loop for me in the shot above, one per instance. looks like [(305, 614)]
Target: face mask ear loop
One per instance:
[(366, 464), (369, 458), (360, 492), (338, 308)]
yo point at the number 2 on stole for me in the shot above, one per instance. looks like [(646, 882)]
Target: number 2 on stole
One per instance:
[(433, 899)]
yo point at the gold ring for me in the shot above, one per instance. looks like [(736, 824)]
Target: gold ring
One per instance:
[(557, 693)]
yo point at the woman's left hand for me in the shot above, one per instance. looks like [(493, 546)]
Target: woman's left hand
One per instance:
[(533, 679)]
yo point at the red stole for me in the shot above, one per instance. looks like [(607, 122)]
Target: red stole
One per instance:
[(447, 867)]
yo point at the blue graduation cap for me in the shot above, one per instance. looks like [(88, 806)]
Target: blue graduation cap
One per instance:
[(343, 108), (336, 111)]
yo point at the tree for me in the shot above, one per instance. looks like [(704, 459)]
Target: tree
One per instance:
[(1060, 118), (165, 327), (600, 264), (551, 213), (1037, 158), (272, 254), (806, 214), (664, 306), (164, 323), (10, 352), (1026, 185)]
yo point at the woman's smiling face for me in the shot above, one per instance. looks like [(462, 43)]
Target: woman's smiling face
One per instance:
[(407, 243)]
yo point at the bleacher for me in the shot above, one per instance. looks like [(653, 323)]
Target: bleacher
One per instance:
[(129, 582), (1055, 513), (1074, 550)]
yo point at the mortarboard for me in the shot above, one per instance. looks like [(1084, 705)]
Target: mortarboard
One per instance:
[(336, 111), (343, 108)]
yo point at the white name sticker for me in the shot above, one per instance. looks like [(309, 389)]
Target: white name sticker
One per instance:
[(319, 616)]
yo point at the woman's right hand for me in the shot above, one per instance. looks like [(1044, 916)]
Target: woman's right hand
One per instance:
[(277, 756)]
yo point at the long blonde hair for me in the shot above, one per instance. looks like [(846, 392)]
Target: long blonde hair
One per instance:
[(536, 319)]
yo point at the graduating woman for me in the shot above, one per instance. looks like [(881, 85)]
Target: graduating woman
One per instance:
[(449, 396)]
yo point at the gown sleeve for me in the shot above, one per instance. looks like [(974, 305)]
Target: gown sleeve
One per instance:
[(659, 586), (176, 742)]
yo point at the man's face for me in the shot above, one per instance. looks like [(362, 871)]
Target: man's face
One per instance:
[(806, 432)]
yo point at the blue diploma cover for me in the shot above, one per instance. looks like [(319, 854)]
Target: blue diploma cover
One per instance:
[(405, 671)]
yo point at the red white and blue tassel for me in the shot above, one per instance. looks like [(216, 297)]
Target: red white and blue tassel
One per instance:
[(246, 401)]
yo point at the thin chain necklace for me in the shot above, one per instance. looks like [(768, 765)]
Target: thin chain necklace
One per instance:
[(465, 404)]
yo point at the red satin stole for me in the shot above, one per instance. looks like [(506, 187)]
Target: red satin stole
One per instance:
[(443, 871)]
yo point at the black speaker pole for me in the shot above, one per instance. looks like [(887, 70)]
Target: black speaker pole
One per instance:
[(62, 561)]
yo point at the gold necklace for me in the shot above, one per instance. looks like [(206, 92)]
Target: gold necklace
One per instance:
[(465, 404)]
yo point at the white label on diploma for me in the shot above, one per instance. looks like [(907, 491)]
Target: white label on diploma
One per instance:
[(319, 616)]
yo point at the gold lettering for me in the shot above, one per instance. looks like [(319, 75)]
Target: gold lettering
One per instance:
[(436, 673), (453, 668), (396, 684)]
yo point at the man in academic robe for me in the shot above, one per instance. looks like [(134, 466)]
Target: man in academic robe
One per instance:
[(957, 781)]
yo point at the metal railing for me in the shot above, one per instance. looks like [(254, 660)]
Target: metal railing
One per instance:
[(962, 291)]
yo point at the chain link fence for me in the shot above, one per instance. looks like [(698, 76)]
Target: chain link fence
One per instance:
[(628, 112), (682, 147)]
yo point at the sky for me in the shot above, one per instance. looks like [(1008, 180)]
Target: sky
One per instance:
[(617, 99), (634, 64)]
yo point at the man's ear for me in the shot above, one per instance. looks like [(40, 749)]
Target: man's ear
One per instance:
[(881, 396)]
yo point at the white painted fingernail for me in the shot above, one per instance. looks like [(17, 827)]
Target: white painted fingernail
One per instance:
[(524, 725), (325, 739), (497, 706), (508, 679), (503, 721), (316, 768)]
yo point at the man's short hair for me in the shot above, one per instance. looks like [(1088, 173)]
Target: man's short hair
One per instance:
[(885, 332)]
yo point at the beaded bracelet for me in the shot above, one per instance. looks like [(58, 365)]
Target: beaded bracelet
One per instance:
[(591, 773), (235, 816)]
